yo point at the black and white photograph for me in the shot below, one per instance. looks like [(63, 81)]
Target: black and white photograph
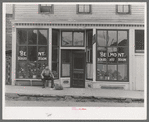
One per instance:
[(74, 60)]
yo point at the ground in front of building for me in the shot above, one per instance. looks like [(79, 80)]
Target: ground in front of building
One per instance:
[(9, 103)]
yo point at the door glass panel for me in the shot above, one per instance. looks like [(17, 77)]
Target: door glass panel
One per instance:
[(32, 37), (42, 37), (66, 38), (66, 70), (78, 39)]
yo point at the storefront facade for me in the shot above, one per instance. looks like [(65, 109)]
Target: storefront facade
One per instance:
[(80, 54)]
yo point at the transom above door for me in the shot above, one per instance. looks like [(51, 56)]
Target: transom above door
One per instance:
[(72, 38)]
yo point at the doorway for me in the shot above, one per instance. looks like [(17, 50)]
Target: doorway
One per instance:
[(73, 66), (77, 79)]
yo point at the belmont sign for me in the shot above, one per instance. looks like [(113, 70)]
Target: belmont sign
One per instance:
[(41, 56), (23, 55), (112, 56)]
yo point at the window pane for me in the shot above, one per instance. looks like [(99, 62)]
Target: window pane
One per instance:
[(112, 38), (101, 55), (122, 38), (42, 53), (81, 8), (22, 54), (46, 9), (101, 38), (65, 69), (22, 36), (55, 69), (65, 56), (122, 55), (122, 72), (139, 39), (22, 69), (42, 37), (112, 55), (78, 39), (120, 8), (32, 37), (112, 73), (55, 54), (32, 53), (126, 8), (87, 8), (32, 69), (66, 38), (101, 70)]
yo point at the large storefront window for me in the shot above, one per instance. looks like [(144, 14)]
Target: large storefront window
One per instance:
[(32, 52), (112, 55)]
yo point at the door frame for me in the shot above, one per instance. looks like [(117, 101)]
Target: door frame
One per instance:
[(71, 67)]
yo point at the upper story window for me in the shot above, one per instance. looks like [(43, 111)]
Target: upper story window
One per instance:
[(139, 41), (123, 9), (83, 9), (46, 8)]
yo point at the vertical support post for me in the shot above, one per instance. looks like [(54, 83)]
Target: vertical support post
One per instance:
[(50, 49), (131, 60), (13, 55), (94, 58)]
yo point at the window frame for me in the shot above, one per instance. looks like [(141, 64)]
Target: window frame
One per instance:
[(123, 13), (90, 9), (52, 8), (138, 51), (66, 63), (117, 64), (27, 45), (73, 38)]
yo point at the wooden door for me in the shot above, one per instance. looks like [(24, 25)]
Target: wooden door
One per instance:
[(78, 69)]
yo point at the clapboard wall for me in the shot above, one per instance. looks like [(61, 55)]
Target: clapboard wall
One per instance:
[(100, 13)]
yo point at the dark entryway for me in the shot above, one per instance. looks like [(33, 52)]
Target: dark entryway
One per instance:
[(78, 69)]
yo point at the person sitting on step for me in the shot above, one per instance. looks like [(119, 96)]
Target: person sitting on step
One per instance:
[(46, 74)]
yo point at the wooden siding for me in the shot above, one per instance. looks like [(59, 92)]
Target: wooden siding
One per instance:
[(139, 72), (105, 13)]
